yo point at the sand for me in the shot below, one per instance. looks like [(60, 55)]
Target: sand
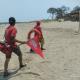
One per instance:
[(62, 54)]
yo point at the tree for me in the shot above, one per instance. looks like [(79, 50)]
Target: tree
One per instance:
[(75, 13), (65, 9), (75, 9), (52, 11), (61, 12)]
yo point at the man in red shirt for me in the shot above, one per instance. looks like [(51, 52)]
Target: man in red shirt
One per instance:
[(11, 46), (37, 34)]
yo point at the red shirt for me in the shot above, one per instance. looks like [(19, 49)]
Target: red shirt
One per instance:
[(9, 32)]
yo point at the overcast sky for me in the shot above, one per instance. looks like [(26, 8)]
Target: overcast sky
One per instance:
[(27, 10)]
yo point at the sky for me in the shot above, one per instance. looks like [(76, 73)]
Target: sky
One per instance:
[(29, 10)]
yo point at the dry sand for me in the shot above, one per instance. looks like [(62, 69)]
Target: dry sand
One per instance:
[(62, 54)]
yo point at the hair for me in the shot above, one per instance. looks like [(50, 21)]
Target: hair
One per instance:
[(38, 22), (12, 21)]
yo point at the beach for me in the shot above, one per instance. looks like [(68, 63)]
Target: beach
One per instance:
[(62, 54)]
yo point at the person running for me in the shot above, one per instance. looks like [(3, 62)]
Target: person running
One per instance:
[(37, 35), (11, 46)]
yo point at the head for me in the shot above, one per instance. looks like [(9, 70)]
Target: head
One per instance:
[(38, 23), (12, 21)]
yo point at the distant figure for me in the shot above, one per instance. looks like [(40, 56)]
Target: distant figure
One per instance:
[(37, 35), (11, 46)]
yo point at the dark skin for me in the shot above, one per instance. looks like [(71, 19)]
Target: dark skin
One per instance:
[(8, 58), (15, 40)]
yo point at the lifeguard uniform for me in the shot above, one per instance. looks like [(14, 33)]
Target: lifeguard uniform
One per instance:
[(10, 47)]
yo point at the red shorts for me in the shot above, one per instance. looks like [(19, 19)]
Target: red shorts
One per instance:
[(8, 50)]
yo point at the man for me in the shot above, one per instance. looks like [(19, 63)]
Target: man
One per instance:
[(11, 46), (37, 35)]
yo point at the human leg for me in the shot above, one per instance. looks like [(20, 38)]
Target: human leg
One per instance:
[(18, 52), (42, 44), (7, 60)]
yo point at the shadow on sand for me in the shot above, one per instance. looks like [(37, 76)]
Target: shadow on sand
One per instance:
[(12, 74)]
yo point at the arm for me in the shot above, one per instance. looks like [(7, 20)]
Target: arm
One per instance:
[(18, 41), (22, 42), (35, 31), (29, 34), (13, 39)]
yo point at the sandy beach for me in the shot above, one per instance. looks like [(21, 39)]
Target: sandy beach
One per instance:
[(62, 54)]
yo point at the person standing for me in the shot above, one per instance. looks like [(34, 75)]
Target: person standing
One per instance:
[(37, 34), (10, 42)]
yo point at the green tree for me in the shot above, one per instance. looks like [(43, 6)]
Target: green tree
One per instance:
[(52, 11), (75, 9), (65, 9), (75, 13), (61, 12)]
